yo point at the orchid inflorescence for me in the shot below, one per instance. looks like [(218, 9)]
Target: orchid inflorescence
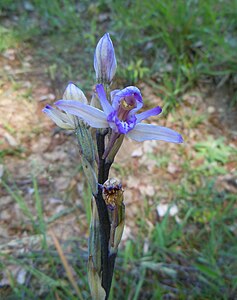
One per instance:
[(114, 114)]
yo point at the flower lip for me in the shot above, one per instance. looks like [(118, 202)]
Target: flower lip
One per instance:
[(129, 93)]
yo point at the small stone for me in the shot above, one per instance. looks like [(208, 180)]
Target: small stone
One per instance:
[(172, 169), (132, 182), (62, 183), (51, 96), (10, 54), (60, 208), (5, 200), (21, 276), (163, 208), (211, 109), (147, 190), (173, 210), (5, 215), (137, 153)]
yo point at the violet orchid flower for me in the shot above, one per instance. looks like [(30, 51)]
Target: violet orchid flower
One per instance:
[(121, 116)]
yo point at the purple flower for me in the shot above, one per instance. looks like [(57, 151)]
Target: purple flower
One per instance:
[(104, 60), (122, 115)]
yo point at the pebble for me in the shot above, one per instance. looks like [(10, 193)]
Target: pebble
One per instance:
[(211, 109)]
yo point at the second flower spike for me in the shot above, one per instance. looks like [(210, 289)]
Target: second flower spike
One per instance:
[(104, 60)]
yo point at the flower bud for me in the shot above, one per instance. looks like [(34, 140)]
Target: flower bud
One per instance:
[(104, 60), (72, 92)]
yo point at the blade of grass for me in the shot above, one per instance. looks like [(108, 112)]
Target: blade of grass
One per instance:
[(66, 266)]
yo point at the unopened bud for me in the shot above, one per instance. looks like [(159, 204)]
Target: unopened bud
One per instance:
[(72, 92), (104, 60)]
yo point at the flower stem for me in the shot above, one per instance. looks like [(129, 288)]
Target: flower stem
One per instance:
[(107, 260)]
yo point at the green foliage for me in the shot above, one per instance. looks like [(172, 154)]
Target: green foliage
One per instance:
[(193, 252), (133, 72), (175, 42), (63, 15), (8, 38), (214, 150), (184, 39)]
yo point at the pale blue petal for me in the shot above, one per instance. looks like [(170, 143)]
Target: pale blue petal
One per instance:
[(107, 108), (91, 115), (148, 113), (59, 118), (143, 132), (113, 93)]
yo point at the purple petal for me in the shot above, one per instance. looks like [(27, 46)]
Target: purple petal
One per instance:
[(130, 90), (143, 132), (127, 92), (119, 126), (124, 127), (149, 113), (93, 116), (107, 108)]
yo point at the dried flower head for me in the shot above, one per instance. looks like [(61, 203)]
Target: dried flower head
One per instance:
[(113, 193)]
